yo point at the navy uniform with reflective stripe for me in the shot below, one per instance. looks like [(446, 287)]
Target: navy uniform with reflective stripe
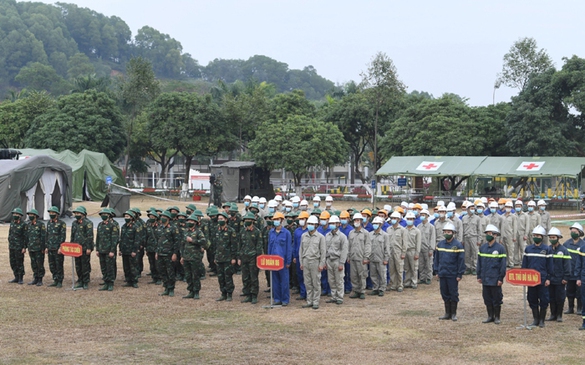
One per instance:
[(572, 290), (561, 272), (450, 265), (540, 259), (580, 270), (491, 269)]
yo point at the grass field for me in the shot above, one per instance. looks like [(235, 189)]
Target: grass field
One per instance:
[(41, 325)]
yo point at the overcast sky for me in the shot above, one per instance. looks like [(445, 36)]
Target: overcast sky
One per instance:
[(437, 46)]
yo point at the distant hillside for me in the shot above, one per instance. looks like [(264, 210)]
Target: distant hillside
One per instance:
[(44, 46)]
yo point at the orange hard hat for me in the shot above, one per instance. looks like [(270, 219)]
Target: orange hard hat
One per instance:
[(278, 215), (367, 211), (304, 215), (344, 214), (325, 215)]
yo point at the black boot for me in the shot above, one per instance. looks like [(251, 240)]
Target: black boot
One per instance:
[(14, 281), (542, 317), (21, 279), (560, 312), (497, 310), (553, 312), (490, 312), (571, 303), (34, 282), (579, 306), (454, 311), (535, 317), (447, 314), (40, 282)]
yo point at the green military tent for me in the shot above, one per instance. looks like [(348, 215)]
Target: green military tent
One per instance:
[(90, 170)]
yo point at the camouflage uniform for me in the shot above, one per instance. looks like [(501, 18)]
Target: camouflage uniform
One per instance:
[(36, 243), (227, 246), (249, 248), (82, 233), (130, 236), (141, 225), (151, 229), (211, 228), (16, 244), (192, 253), (56, 234), (106, 242), (169, 239), (179, 269), (265, 232)]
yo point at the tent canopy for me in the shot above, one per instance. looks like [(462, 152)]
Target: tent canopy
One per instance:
[(431, 165), (38, 182), (531, 166), (90, 170)]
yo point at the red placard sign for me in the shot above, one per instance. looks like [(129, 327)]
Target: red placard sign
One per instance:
[(71, 249), (523, 277), (270, 262)]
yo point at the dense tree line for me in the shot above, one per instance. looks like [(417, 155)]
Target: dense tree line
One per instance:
[(45, 47)]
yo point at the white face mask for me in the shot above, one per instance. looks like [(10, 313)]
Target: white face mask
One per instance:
[(302, 222), (357, 224)]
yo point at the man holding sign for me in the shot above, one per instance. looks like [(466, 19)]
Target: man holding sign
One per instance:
[(82, 233)]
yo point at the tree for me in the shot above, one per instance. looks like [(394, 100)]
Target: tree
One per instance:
[(135, 91), (89, 120), (16, 117), (161, 50), (79, 65), (88, 82), (522, 61), (297, 144), (37, 76)]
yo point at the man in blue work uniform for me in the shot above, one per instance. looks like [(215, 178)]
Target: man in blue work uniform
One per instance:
[(280, 244), (450, 266), (560, 275), (345, 228), (491, 270), (302, 228), (573, 245), (538, 257)]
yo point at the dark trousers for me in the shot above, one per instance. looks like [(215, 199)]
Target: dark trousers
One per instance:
[(250, 277), (167, 271), (573, 289), (225, 273), (108, 266), (130, 268), (152, 263), (557, 293), (211, 257), (280, 288), (140, 261), (37, 263), (538, 296), (449, 289), (83, 268), (192, 274), (492, 295), (17, 262), (300, 278), (56, 265), (347, 277), (325, 288)]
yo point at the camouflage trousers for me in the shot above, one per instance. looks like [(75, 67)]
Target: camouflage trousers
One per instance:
[(166, 271), (225, 272), (193, 274), (153, 267), (108, 267), (17, 262), (37, 263), (211, 257), (83, 268), (56, 265), (250, 277), (130, 265)]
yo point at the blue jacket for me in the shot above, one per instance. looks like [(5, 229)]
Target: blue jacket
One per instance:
[(561, 265), (323, 230), (491, 263), (346, 230), (573, 249), (297, 242), (280, 244), (540, 259), (368, 227), (450, 259)]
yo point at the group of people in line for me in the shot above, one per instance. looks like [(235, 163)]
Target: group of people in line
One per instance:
[(326, 252)]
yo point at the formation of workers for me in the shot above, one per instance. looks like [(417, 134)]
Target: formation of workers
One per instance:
[(326, 252)]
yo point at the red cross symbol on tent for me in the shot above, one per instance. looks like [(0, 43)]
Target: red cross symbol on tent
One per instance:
[(530, 166), (429, 166)]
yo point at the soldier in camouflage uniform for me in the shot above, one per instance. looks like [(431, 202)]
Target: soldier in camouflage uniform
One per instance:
[(192, 256), (190, 209), (249, 249), (202, 227), (151, 229), (130, 236), (106, 244), (141, 240), (56, 234), (167, 250), (182, 225), (217, 190), (211, 224), (36, 244), (82, 233), (17, 245), (235, 222), (225, 256), (291, 226), (115, 223)]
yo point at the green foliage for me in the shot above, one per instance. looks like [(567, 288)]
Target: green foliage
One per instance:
[(89, 120), (79, 65), (16, 117), (38, 76), (84, 83), (522, 61), (163, 51)]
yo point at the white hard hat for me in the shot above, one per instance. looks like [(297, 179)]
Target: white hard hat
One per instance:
[(313, 220), (388, 208), (424, 211), (442, 208), (404, 204), (328, 198), (272, 204), (493, 205), (491, 228), (262, 200), (288, 203), (509, 204), (554, 231), (518, 202), (316, 198), (440, 202), (410, 205), (410, 215), (255, 199), (334, 219), (449, 227), (247, 197), (358, 216), (395, 215), (378, 220), (304, 202), (465, 204), (539, 230), (480, 204), (541, 202), (451, 206), (295, 199), (396, 208), (278, 198), (425, 206), (531, 203), (577, 226), (483, 199)]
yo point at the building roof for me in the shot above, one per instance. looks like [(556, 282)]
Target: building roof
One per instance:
[(236, 164), (431, 165)]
